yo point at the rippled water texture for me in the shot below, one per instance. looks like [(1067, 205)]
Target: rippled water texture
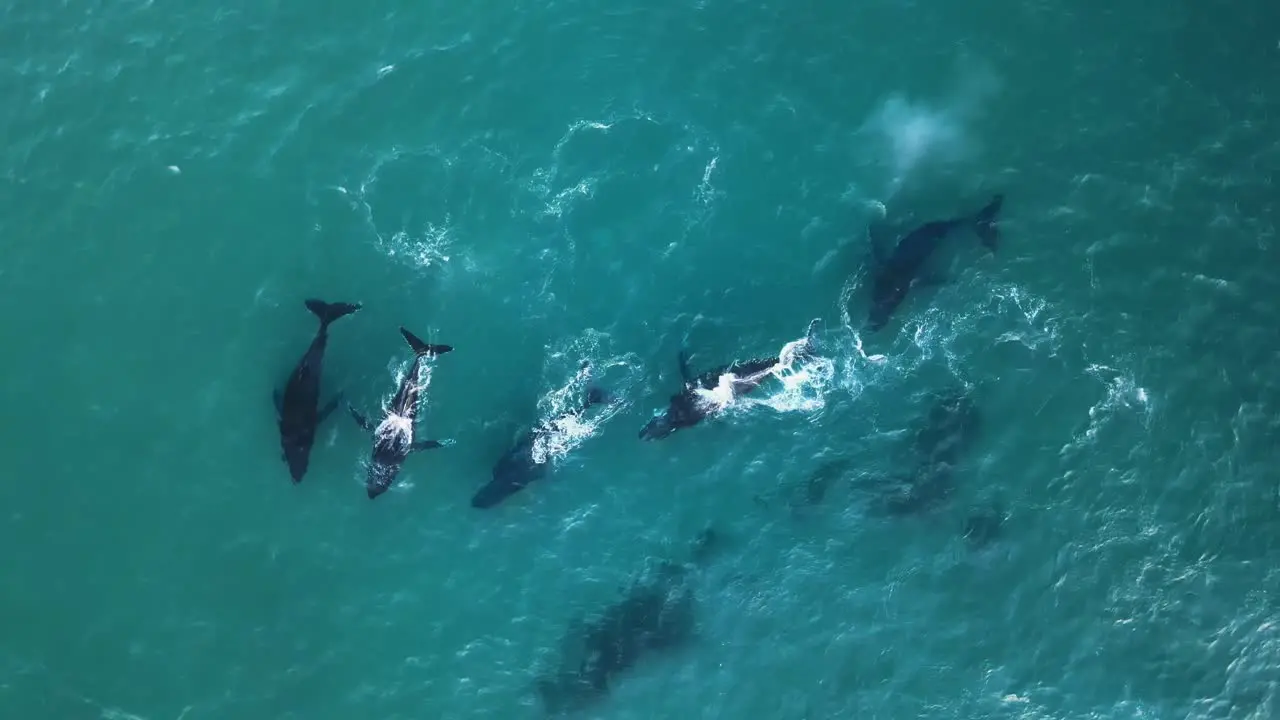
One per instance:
[(543, 184)]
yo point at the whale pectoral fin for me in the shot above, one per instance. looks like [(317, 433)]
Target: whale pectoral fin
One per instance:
[(684, 367), (426, 445), (360, 419), (328, 409), (811, 332), (279, 402)]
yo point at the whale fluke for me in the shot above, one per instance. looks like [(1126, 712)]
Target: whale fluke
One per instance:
[(328, 312), (422, 349)]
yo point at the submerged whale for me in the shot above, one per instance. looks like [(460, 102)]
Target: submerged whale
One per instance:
[(895, 274), (395, 437), (656, 613), (525, 462), (689, 406), (298, 411), (951, 427)]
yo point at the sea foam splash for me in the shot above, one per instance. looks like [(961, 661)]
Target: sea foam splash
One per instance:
[(597, 367)]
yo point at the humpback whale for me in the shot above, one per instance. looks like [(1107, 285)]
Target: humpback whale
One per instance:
[(798, 496), (688, 407), (657, 612), (895, 274), (395, 437), (951, 427), (519, 466), (298, 410)]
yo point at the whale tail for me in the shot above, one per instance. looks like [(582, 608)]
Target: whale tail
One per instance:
[(328, 312), (423, 349), (984, 223)]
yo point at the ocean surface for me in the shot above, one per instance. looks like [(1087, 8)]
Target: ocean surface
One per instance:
[(542, 184)]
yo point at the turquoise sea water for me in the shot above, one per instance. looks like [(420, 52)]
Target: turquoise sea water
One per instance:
[(542, 183)]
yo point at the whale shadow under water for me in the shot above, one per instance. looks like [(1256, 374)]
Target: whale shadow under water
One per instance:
[(937, 447), (656, 613)]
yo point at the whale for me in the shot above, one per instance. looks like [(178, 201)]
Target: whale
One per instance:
[(298, 411), (689, 407), (657, 613), (522, 464), (904, 267), (395, 437), (952, 426)]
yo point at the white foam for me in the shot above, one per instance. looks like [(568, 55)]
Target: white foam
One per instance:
[(803, 377), (564, 200), (425, 250), (422, 247), (566, 433), (803, 387), (721, 396), (569, 429), (706, 193), (395, 426)]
